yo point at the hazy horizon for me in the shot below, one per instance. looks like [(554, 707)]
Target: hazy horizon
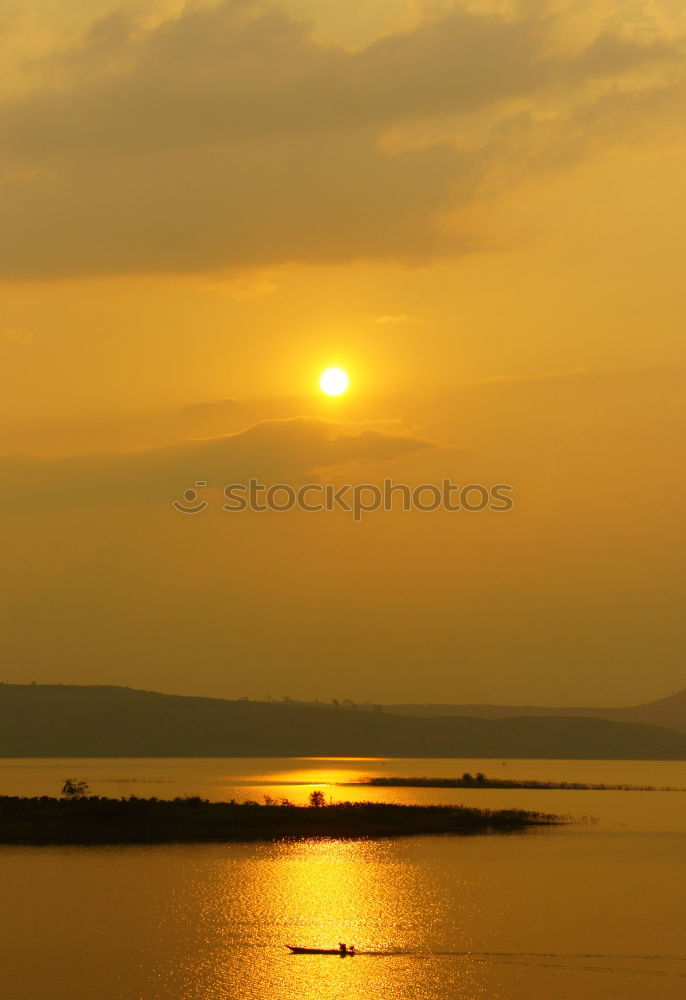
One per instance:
[(337, 699)]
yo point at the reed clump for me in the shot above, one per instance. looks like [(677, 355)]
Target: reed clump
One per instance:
[(92, 819)]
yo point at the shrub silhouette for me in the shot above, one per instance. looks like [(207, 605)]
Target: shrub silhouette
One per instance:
[(74, 788)]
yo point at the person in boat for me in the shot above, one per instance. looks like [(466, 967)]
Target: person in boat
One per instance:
[(343, 948)]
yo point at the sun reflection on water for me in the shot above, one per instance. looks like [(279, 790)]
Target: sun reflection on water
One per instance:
[(337, 778), (315, 894)]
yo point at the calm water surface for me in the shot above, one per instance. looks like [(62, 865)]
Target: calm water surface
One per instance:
[(594, 911)]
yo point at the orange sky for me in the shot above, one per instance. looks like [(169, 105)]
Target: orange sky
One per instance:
[(477, 210)]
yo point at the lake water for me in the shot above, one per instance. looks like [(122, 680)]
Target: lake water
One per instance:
[(590, 910)]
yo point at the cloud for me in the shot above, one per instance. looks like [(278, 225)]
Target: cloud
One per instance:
[(392, 319), (226, 136), (290, 450), (250, 287), (13, 335)]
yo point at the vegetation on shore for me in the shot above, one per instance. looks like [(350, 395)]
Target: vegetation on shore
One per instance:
[(480, 780), (84, 819)]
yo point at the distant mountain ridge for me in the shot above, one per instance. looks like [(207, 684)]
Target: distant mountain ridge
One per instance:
[(669, 711), (98, 721)]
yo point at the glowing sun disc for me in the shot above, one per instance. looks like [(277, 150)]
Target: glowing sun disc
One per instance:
[(333, 381)]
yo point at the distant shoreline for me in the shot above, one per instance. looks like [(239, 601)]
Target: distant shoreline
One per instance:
[(94, 820), (63, 721), (480, 781)]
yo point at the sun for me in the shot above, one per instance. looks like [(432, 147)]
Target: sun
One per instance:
[(334, 381)]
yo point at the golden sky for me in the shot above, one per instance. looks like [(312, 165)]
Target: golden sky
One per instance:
[(477, 210)]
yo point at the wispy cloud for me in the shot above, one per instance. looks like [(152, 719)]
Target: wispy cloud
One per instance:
[(392, 319), (274, 450), (13, 335)]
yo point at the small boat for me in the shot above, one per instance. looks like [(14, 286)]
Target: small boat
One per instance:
[(342, 952)]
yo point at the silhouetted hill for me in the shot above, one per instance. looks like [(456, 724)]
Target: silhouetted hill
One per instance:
[(70, 721), (669, 712)]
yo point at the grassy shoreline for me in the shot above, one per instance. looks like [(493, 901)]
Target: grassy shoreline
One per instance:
[(481, 781), (94, 820)]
